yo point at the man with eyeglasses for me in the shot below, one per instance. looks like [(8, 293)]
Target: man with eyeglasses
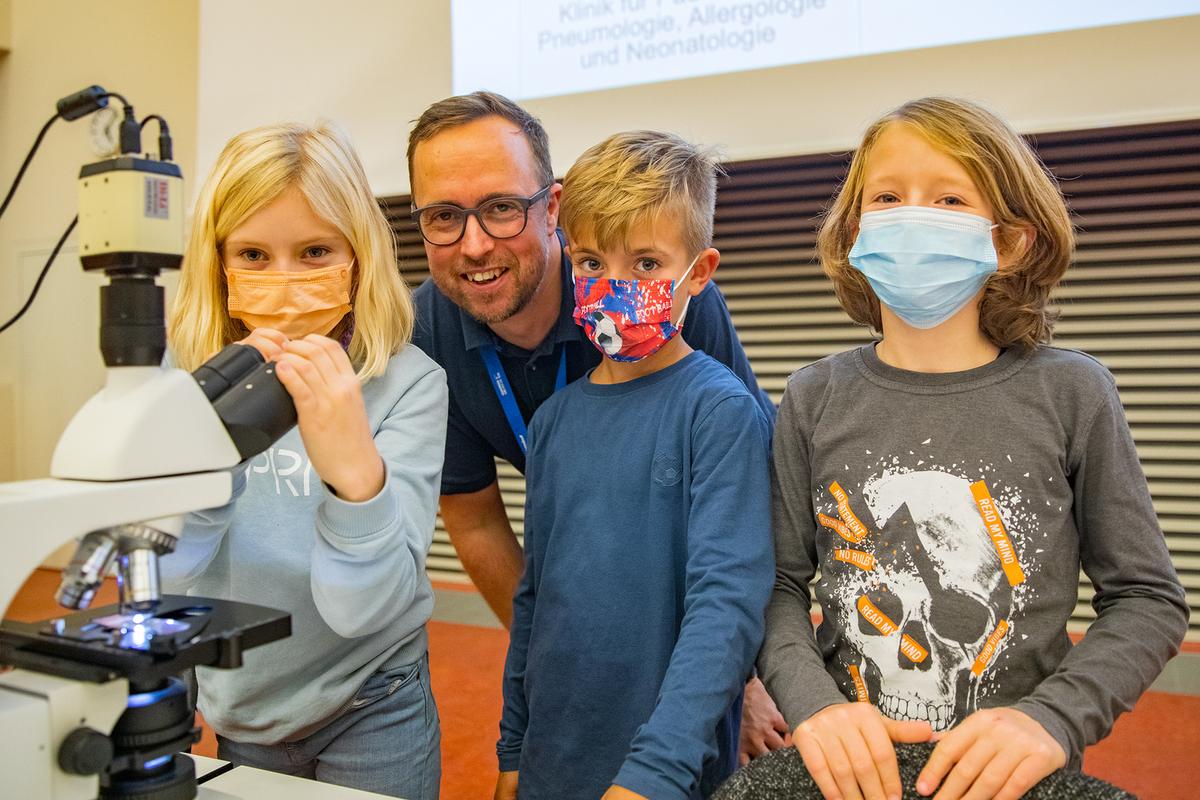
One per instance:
[(498, 317)]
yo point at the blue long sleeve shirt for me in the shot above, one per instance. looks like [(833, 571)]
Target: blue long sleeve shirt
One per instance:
[(648, 567)]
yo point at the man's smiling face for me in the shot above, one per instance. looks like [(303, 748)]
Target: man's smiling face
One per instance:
[(491, 279)]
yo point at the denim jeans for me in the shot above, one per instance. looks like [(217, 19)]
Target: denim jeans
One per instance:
[(387, 741)]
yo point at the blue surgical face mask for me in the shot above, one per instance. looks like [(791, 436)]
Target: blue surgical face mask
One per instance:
[(924, 264)]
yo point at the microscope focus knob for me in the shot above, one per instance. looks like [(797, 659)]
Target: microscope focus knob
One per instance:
[(85, 751)]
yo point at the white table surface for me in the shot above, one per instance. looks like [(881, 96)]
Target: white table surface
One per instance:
[(205, 765), (247, 783)]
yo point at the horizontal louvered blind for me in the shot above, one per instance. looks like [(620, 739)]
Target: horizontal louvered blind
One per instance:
[(1131, 299)]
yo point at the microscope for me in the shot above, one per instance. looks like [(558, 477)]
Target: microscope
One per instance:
[(93, 706)]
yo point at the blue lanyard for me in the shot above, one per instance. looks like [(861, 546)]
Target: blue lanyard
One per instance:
[(504, 392)]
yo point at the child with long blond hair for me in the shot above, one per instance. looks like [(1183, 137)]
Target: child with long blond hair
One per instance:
[(290, 253), (949, 480)]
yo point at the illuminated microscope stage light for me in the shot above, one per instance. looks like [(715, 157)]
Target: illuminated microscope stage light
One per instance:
[(137, 630)]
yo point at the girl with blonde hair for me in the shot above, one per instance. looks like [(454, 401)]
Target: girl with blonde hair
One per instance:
[(290, 253), (949, 480)]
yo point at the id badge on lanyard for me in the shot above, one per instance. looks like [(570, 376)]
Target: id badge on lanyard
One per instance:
[(504, 394)]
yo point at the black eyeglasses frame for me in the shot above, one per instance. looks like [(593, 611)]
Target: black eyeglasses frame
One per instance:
[(524, 202)]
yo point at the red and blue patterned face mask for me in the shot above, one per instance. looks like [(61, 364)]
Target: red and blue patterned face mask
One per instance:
[(629, 320)]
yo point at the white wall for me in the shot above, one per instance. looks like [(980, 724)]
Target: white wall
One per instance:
[(371, 65), (147, 50), (376, 64)]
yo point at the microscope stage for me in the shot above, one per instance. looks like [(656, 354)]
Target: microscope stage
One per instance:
[(104, 643)]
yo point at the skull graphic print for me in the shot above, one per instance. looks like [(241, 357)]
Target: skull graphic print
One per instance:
[(922, 582)]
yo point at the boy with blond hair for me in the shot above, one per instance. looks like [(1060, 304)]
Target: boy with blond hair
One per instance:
[(647, 530)]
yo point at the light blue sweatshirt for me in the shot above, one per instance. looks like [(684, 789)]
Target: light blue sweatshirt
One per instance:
[(352, 575)]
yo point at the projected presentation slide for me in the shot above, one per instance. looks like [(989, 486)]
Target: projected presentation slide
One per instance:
[(541, 48)]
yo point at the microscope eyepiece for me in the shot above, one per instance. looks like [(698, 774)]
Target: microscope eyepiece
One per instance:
[(225, 369), (248, 397)]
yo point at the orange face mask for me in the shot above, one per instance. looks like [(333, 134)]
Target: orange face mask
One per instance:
[(293, 303)]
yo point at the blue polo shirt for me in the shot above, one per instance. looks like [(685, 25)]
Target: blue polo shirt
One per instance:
[(478, 431)]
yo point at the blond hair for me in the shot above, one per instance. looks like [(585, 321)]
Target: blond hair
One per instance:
[(255, 168), (1016, 185), (634, 177)]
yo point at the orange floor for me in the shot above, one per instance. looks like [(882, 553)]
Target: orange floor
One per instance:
[(1152, 752), (466, 663)]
